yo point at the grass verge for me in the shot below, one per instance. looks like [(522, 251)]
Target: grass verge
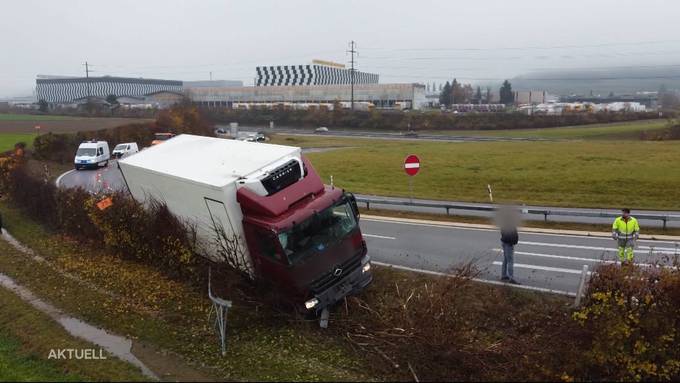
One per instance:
[(27, 336), (566, 173), (142, 303), (7, 140)]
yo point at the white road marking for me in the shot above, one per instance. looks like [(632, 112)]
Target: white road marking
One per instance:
[(544, 268), (378, 236), (61, 176), (640, 249), (557, 256), (498, 283), (485, 227), (607, 261)]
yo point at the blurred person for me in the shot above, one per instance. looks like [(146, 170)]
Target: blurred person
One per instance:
[(507, 219), (625, 230)]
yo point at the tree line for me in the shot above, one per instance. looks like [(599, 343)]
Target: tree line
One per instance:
[(458, 93)]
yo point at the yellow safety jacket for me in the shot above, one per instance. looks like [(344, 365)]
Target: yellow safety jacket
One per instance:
[(626, 228)]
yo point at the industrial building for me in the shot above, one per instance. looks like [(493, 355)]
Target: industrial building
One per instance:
[(321, 83), (319, 72), (67, 90), (398, 96)]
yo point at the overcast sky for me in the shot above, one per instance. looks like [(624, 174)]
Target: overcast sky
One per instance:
[(403, 41)]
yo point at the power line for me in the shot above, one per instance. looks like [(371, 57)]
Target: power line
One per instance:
[(539, 79), (600, 45)]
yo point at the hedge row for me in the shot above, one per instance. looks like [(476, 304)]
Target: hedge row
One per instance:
[(151, 234), (415, 120)]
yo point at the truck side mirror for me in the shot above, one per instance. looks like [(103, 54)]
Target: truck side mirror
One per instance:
[(353, 203)]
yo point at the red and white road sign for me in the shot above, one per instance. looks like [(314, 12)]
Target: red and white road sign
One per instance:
[(412, 165)]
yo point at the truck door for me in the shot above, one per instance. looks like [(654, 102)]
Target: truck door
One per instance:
[(266, 255), (225, 240)]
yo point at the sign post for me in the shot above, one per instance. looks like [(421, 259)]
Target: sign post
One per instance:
[(411, 167)]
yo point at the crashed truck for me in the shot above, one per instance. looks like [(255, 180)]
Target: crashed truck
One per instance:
[(263, 204)]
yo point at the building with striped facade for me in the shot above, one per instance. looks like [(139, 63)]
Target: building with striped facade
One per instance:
[(402, 96), (69, 90), (317, 73)]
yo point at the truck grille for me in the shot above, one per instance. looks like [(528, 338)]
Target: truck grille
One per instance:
[(330, 278), (285, 175)]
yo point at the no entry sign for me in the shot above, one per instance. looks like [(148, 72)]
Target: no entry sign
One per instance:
[(412, 165)]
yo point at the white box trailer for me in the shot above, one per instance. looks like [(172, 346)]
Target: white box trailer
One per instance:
[(291, 229), (197, 177)]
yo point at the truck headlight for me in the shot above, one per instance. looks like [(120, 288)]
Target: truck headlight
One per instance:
[(366, 268), (310, 304)]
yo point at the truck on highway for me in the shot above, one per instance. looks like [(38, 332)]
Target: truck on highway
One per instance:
[(267, 206)]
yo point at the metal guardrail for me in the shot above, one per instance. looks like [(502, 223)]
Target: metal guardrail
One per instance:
[(491, 208)]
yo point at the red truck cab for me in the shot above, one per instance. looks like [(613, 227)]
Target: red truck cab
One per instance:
[(306, 240)]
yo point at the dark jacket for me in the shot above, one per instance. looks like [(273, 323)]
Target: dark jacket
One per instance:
[(509, 236)]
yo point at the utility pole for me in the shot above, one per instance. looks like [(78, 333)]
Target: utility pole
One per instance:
[(352, 51), (87, 80)]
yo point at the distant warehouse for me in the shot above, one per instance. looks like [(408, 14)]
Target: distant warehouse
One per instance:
[(65, 90), (366, 96)]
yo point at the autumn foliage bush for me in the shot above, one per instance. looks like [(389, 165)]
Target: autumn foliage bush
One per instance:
[(631, 323), (182, 118), (451, 328), (128, 229)]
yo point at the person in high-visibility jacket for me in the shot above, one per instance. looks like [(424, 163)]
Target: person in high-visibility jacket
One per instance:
[(626, 230)]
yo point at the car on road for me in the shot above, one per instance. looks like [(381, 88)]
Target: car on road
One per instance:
[(92, 154), (322, 129), (161, 137), (253, 137), (126, 149), (410, 133)]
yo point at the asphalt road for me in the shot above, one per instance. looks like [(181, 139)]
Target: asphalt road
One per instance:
[(95, 180), (392, 135), (530, 217), (542, 261)]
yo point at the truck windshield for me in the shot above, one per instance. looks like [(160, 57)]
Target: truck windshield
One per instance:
[(120, 147), (319, 232), (86, 152)]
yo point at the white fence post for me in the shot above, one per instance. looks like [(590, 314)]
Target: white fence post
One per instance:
[(581, 286)]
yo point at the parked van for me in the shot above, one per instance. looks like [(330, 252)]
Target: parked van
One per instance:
[(123, 150), (92, 154)]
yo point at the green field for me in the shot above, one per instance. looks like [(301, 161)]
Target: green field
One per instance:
[(622, 131), (638, 174), (7, 140)]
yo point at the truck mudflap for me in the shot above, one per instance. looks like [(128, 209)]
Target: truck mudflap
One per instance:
[(353, 283)]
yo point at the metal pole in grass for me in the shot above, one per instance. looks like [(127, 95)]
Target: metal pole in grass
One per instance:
[(581, 286), (221, 308)]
